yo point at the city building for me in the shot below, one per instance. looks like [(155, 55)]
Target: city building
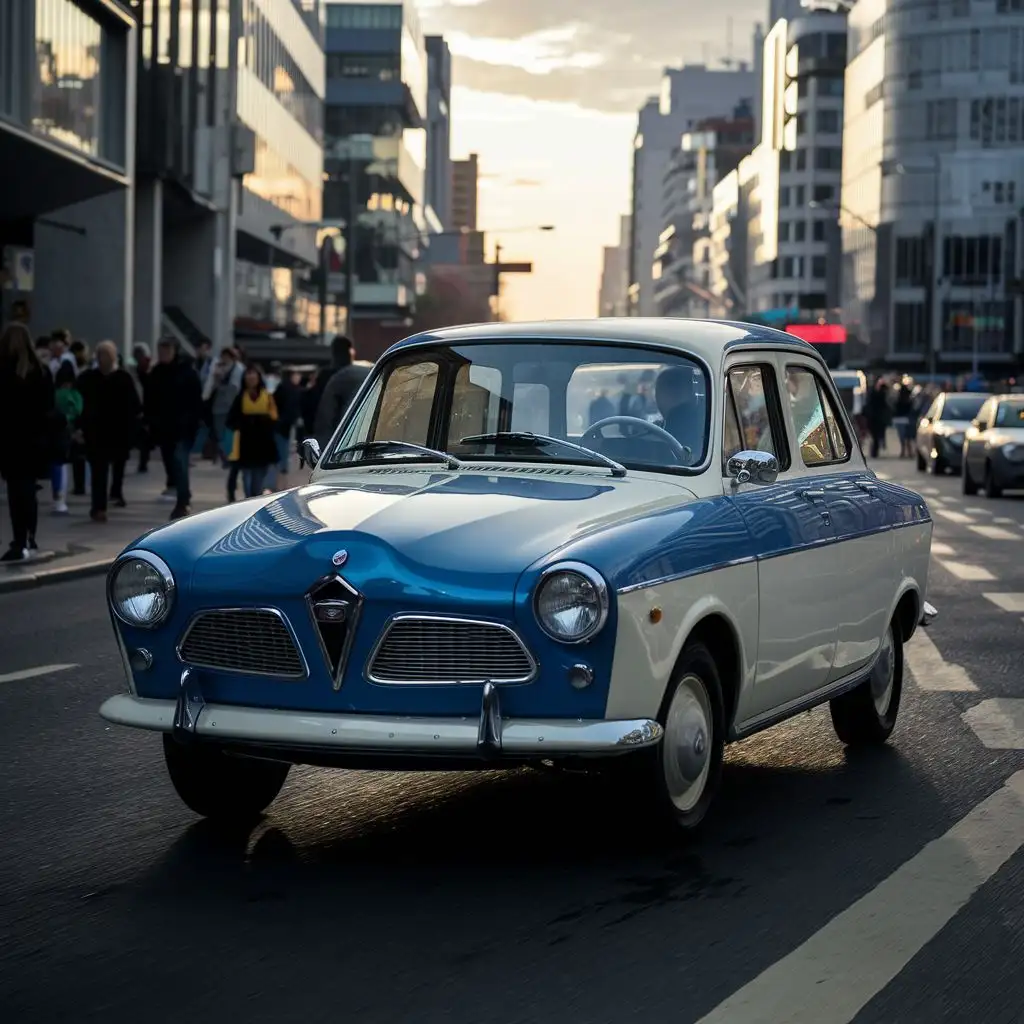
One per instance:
[(465, 185), (376, 159), (933, 159), (67, 129), (727, 249), (438, 185), (681, 272), (688, 95), (612, 296)]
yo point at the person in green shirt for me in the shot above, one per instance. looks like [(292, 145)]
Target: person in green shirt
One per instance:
[(68, 400)]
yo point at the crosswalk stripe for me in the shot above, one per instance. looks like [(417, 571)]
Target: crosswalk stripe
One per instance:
[(1008, 602), (927, 490), (963, 571), (931, 671), (975, 511), (32, 673), (1006, 521), (940, 549), (953, 517), (994, 532), (998, 722), (843, 966)]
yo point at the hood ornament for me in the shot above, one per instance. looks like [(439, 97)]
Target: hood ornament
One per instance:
[(340, 558)]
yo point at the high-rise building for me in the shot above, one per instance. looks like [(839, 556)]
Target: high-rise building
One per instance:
[(465, 183), (67, 125), (376, 155), (688, 95), (611, 300), (439, 160), (933, 182)]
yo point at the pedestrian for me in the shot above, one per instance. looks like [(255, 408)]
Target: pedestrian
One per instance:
[(903, 420), (110, 415), (340, 389), (60, 350), (174, 406), (878, 415), (140, 374), (68, 400), (253, 418), (27, 422), (287, 398)]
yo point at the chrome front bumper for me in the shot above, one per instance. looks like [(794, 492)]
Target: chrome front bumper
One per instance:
[(392, 735)]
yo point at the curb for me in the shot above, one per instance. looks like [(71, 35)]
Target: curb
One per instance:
[(28, 581)]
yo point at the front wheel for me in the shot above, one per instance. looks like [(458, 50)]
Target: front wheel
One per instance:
[(866, 716), (216, 785)]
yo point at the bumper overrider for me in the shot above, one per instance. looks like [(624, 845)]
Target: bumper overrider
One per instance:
[(489, 735)]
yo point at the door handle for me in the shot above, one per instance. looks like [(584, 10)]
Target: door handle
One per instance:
[(868, 488), (812, 494)]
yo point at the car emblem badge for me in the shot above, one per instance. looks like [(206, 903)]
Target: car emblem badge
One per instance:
[(340, 558)]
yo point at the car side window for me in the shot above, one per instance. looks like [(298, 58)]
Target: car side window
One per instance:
[(749, 392), (732, 440), (818, 426), (406, 404)]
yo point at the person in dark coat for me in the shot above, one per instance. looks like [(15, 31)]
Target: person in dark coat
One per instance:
[(174, 409), (879, 415), (27, 423), (253, 418), (339, 390), (288, 399), (109, 423)]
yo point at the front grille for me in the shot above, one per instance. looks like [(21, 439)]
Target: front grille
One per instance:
[(421, 649), (253, 641)]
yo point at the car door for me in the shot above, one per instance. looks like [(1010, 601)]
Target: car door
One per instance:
[(793, 535), (865, 547), (976, 438)]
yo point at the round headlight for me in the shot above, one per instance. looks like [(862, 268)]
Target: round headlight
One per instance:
[(571, 602), (141, 590)]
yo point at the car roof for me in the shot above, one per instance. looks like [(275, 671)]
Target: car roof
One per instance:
[(709, 339)]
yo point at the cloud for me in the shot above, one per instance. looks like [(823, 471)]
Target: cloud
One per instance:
[(599, 54)]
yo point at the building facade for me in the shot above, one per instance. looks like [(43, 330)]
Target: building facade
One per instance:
[(688, 95), (438, 184), (376, 151), (67, 144), (614, 288), (932, 181), (465, 187)]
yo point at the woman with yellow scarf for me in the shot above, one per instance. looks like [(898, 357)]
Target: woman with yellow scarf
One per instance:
[(253, 417)]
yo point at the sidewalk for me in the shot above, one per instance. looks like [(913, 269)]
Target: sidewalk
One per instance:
[(73, 546)]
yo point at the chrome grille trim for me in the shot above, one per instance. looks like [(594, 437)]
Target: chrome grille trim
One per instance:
[(243, 641), (352, 625), (442, 650)]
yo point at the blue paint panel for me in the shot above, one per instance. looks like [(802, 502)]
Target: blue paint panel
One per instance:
[(780, 519)]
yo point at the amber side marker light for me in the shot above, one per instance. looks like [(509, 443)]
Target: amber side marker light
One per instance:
[(655, 615)]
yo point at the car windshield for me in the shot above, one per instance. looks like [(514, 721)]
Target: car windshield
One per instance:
[(962, 407), (454, 399), (1010, 414)]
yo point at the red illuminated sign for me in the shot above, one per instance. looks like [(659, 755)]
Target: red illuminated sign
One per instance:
[(819, 334)]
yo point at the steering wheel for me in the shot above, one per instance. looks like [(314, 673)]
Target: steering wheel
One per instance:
[(680, 451)]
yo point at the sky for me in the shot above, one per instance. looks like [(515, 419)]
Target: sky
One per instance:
[(547, 93)]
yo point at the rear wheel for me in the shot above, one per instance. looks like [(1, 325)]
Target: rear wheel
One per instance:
[(217, 785), (968, 485), (867, 715), (992, 489)]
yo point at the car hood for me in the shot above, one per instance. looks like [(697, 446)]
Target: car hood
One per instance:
[(1006, 435), (406, 528)]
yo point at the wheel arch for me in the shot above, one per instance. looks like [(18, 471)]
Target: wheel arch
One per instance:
[(719, 635), (906, 609)]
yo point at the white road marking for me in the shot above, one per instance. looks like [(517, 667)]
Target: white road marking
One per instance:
[(937, 501), (842, 967), (931, 671), (941, 550), (1006, 521), (974, 510), (953, 517), (995, 533), (927, 490), (31, 673), (1008, 602), (998, 723), (882, 476), (963, 571)]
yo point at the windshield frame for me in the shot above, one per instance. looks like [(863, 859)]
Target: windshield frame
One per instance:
[(441, 345)]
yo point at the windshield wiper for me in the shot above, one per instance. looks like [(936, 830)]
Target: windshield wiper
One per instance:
[(538, 439), (412, 449)]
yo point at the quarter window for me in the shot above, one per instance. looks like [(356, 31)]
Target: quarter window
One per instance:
[(747, 404), (815, 419)]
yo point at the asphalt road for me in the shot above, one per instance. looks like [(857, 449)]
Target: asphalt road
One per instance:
[(518, 897)]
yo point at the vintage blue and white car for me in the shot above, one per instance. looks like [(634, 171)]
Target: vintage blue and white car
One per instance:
[(607, 542)]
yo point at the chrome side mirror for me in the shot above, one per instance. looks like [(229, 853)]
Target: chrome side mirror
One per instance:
[(752, 467), (309, 452)]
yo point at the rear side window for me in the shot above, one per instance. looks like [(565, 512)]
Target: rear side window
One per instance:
[(818, 424)]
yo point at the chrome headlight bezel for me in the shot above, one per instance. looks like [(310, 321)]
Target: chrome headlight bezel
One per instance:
[(596, 581), (166, 576)]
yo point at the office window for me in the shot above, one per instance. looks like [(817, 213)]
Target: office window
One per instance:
[(972, 260), (824, 193), (381, 67), (909, 327), (818, 268), (785, 196), (801, 160), (819, 231), (828, 158), (801, 124), (799, 230), (365, 16), (830, 86), (799, 195), (827, 122), (784, 230), (940, 119)]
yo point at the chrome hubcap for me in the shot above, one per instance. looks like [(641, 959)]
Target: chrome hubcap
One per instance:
[(687, 743), (883, 676)]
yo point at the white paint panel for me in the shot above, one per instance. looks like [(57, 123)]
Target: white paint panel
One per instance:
[(995, 533), (953, 517), (930, 670), (33, 673), (307, 53), (964, 571), (1008, 602), (646, 652), (841, 968), (998, 723)]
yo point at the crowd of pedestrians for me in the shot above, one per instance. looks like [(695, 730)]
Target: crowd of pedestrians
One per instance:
[(71, 418)]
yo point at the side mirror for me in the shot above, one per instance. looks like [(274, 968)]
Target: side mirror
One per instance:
[(309, 452), (752, 467)]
